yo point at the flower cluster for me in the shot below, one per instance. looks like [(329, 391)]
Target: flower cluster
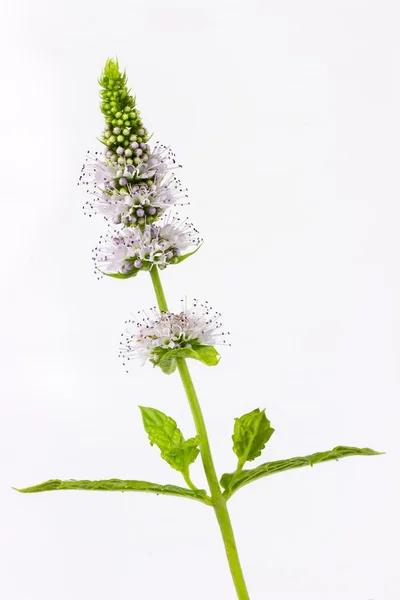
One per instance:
[(132, 185), (127, 251), (131, 195), (129, 182), (193, 327)]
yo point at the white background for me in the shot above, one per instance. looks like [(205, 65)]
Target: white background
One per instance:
[(285, 116)]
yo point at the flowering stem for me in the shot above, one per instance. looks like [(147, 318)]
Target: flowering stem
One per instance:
[(218, 500), (155, 277)]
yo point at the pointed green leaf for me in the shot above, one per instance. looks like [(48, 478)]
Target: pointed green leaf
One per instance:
[(232, 483), (164, 433), (183, 257), (251, 432), (117, 485)]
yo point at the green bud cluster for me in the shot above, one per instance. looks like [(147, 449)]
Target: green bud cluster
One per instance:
[(124, 134)]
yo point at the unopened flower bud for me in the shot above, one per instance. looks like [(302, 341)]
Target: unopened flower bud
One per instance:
[(120, 150), (137, 264)]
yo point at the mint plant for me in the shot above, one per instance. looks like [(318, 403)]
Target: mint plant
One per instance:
[(133, 186)]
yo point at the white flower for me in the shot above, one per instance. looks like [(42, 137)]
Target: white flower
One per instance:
[(135, 248), (108, 171), (160, 161), (197, 325), (137, 203)]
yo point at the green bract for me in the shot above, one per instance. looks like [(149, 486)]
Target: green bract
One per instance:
[(166, 359)]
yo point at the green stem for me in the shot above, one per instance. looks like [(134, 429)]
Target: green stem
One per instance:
[(239, 468), (218, 500), (189, 482), (161, 301)]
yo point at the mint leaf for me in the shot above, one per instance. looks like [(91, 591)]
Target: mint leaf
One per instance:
[(116, 485), (166, 359), (251, 432), (164, 433), (231, 482)]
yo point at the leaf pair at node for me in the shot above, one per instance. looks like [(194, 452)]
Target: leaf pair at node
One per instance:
[(251, 433), (166, 359)]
